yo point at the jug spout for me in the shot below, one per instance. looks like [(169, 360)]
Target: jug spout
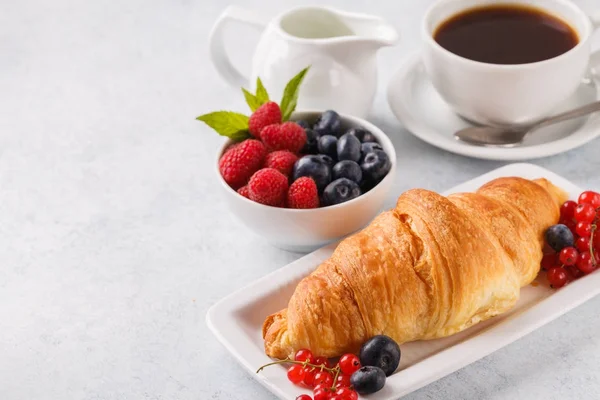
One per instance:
[(370, 29), (324, 25)]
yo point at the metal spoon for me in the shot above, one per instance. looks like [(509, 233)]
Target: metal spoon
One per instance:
[(508, 137)]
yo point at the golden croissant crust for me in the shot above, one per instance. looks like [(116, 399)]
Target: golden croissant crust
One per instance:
[(431, 267)]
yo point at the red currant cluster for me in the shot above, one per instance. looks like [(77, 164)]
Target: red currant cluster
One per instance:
[(581, 258), (327, 382)]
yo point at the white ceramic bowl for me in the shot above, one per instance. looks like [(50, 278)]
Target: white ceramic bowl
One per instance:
[(307, 230)]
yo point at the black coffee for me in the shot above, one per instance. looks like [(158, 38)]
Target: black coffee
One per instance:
[(506, 34)]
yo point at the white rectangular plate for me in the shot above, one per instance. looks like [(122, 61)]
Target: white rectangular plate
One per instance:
[(237, 320)]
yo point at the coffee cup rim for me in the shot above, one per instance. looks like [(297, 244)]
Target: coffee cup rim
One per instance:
[(428, 36)]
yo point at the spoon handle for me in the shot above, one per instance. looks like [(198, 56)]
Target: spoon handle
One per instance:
[(578, 112)]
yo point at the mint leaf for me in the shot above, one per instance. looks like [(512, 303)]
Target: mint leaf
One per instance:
[(261, 92), (227, 123), (290, 95), (252, 100)]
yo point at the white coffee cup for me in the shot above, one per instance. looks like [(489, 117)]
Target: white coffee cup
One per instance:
[(506, 94)]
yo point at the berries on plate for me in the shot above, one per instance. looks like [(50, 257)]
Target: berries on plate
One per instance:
[(340, 191), (268, 186), (281, 160), (557, 277), (296, 373), (381, 351), (568, 256), (589, 197), (239, 162), (368, 379), (559, 236), (576, 241), (267, 114), (303, 193), (314, 167)]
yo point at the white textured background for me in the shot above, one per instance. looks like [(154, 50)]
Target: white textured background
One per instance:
[(113, 243)]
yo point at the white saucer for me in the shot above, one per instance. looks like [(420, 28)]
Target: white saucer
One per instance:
[(422, 111)]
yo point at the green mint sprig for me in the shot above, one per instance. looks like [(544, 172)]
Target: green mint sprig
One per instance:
[(235, 125), (227, 123), (290, 95)]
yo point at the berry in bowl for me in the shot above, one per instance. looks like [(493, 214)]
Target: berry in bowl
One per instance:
[(302, 179), (302, 201)]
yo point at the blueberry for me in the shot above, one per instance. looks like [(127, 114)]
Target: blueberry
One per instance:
[(339, 191), (362, 134), (376, 165), (368, 147), (326, 159), (381, 351), (303, 124), (368, 380), (347, 169), (328, 145), (312, 141), (316, 168), (348, 148), (329, 123), (559, 236)]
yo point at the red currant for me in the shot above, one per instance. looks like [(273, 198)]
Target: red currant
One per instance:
[(583, 244), (567, 210), (590, 197), (571, 225), (321, 386), (568, 256), (549, 261), (343, 381), (323, 378), (322, 361), (349, 364), (304, 355), (585, 263), (583, 229), (304, 397), (585, 213), (574, 272), (309, 376), (345, 393), (322, 394), (296, 373), (557, 277)]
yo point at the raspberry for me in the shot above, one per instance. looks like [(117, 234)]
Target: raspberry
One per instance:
[(287, 136), (244, 191), (303, 194), (239, 162), (267, 114), (282, 160), (268, 186)]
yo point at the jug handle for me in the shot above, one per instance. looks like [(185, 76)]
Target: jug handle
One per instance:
[(218, 54)]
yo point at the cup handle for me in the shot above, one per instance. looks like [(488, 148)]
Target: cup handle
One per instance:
[(218, 54)]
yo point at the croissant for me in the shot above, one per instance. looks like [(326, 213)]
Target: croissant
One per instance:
[(431, 267)]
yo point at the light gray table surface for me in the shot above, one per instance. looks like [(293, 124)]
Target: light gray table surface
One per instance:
[(114, 241)]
